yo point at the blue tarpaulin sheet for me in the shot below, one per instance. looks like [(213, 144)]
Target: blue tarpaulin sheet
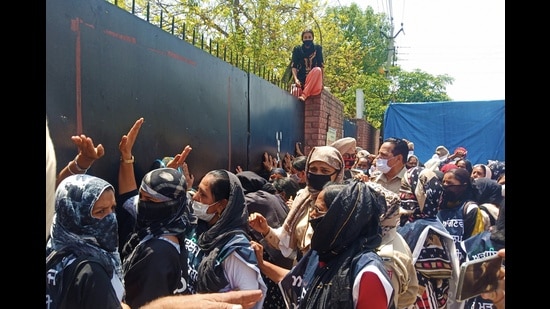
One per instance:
[(478, 126)]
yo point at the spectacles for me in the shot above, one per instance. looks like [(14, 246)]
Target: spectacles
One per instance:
[(318, 210)]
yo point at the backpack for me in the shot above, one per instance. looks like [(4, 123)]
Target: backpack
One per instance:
[(483, 219), (491, 210)]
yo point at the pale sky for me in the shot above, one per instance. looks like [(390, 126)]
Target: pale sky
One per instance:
[(461, 38)]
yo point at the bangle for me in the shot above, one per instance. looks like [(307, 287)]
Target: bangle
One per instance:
[(78, 168), (69, 168), (130, 161)]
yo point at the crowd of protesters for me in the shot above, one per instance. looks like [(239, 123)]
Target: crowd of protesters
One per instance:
[(337, 227)]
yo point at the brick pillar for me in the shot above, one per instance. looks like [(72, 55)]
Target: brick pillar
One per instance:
[(368, 137), (362, 133), (321, 112), (325, 110)]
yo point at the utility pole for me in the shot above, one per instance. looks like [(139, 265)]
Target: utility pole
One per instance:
[(391, 37)]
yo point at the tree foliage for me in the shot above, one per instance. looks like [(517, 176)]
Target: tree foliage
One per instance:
[(418, 86), (265, 31)]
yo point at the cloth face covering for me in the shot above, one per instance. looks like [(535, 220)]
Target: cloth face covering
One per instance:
[(75, 198), (75, 228)]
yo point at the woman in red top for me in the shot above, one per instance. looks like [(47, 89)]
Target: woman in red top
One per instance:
[(342, 269)]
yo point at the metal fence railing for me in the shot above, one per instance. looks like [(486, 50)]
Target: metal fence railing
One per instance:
[(234, 58)]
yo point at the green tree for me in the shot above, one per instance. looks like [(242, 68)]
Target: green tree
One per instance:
[(379, 87), (263, 33), (358, 63), (419, 86), (364, 27)]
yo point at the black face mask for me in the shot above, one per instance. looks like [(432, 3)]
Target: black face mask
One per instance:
[(315, 221), (318, 181), (151, 212), (449, 195), (307, 43)]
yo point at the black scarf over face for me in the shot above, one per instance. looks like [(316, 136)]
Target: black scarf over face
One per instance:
[(353, 216), (169, 216), (350, 227), (308, 49), (233, 220)]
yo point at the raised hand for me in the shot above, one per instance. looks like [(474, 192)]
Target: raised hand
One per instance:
[(258, 223), (127, 141), (87, 151), (179, 161)]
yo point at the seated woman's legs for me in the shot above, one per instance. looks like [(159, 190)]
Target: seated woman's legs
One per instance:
[(314, 83)]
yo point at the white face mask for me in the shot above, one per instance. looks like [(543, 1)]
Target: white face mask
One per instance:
[(382, 165), (199, 210)]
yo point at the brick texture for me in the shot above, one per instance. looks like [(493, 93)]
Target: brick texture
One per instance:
[(325, 111)]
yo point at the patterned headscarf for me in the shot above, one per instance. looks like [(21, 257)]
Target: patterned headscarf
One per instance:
[(168, 215), (498, 168), (75, 229), (169, 187), (421, 191), (431, 244), (390, 218)]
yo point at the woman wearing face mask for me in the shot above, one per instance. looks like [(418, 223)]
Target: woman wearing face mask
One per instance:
[(324, 164), (433, 247), (220, 256), (156, 259), (342, 269), (458, 210), (307, 67), (83, 267)]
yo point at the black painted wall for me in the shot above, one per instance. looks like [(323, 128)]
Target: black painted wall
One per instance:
[(105, 68)]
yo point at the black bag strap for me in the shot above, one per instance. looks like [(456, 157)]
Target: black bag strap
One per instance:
[(55, 257)]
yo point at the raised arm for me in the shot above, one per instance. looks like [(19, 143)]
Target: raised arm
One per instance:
[(87, 154), (126, 175), (272, 271), (179, 161)]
